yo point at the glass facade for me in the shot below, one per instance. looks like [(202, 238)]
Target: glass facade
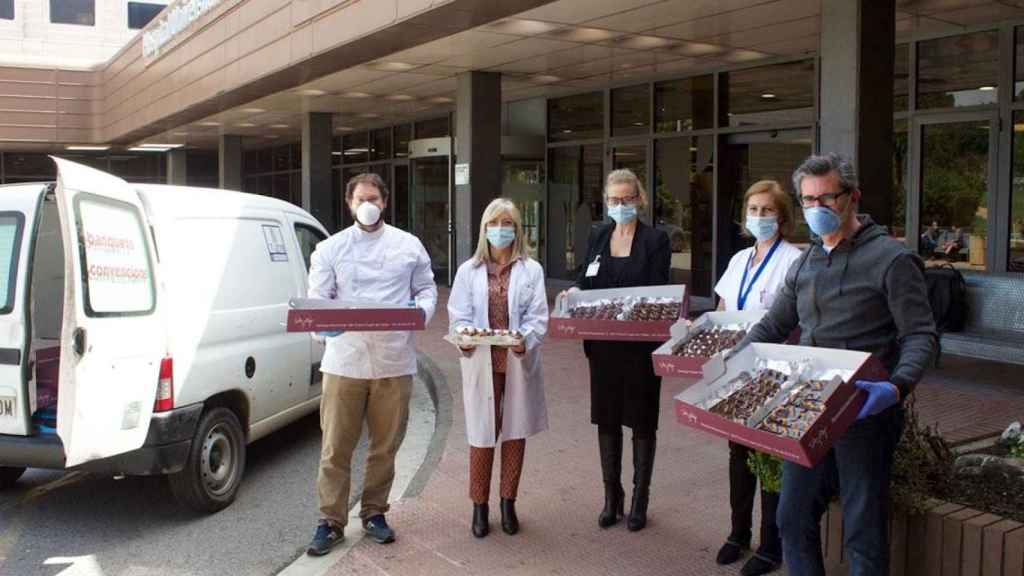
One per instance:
[(954, 192), (958, 71), (81, 12), (141, 13), (631, 110), (776, 94), (683, 199), (579, 117), (901, 78), (434, 128), (150, 167), (575, 187), (1016, 248), (684, 105), (274, 171), (6, 9)]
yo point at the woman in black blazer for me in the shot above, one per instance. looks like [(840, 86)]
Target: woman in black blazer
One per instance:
[(624, 391)]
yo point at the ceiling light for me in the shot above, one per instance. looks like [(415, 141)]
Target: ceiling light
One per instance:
[(638, 124), (86, 148), (441, 100), (156, 145), (987, 88), (392, 66), (768, 96), (253, 110), (743, 55), (585, 34), (245, 125), (358, 95), (567, 131), (147, 149), (645, 42), (209, 124), (278, 126), (544, 79), (344, 128), (698, 49), (522, 26), (369, 115), (399, 98), (179, 133), (310, 92)]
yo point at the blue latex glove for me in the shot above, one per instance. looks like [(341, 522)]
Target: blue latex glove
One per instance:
[(330, 333), (881, 395)]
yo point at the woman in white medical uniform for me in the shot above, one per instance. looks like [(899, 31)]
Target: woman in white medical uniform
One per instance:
[(500, 287), (751, 281)]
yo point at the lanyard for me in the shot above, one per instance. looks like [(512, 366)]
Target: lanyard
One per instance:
[(742, 300)]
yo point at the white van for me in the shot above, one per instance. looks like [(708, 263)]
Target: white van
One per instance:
[(142, 329)]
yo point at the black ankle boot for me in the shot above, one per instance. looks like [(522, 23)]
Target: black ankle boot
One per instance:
[(480, 524), (509, 520), (643, 469), (611, 470)]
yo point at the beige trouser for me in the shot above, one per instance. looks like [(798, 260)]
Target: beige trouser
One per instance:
[(384, 404)]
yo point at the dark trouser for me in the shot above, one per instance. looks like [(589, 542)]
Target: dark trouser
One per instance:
[(859, 466), (742, 488)]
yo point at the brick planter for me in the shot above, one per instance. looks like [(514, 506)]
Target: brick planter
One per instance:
[(947, 540)]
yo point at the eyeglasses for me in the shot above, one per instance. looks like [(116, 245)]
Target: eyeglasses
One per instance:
[(612, 201), (826, 199)]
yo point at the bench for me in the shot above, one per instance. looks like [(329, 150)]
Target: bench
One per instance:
[(995, 321)]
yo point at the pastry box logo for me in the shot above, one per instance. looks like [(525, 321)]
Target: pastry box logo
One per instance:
[(304, 321), (691, 417), (667, 367), (566, 329), (820, 438)]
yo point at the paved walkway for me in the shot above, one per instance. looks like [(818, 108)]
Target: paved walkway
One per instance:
[(561, 493)]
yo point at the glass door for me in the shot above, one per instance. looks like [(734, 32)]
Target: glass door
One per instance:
[(955, 179), (633, 157), (431, 211), (400, 197), (524, 184), (575, 203)]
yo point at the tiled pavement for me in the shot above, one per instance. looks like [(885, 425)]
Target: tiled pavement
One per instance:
[(561, 491)]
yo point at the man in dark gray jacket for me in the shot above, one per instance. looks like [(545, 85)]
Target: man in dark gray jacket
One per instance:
[(857, 289)]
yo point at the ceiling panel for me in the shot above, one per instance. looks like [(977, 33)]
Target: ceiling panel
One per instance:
[(670, 12), (575, 11), (345, 79), (454, 45), (526, 48), (770, 34), (738, 20), (932, 6), (790, 47), (985, 14)]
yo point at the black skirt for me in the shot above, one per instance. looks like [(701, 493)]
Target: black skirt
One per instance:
[(624, 390)]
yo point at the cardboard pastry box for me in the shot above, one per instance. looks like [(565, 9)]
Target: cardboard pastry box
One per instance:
[(669, 364), (315, 315), (562, 325), (842, 400)]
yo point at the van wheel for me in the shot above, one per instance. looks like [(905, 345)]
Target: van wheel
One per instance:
[(216, 460), (9, 475)]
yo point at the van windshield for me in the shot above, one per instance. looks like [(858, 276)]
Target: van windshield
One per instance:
[(10, 240)]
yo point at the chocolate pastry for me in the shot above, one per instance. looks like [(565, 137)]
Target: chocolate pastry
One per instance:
[(754, 393), (709, 342), (794, 417)]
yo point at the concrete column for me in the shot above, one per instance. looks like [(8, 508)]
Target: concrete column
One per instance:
[(230, 162), (477, 143), (176, 169), (857, 52), (317, 196)]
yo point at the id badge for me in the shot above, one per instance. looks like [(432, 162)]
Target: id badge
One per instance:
[(594, 267)]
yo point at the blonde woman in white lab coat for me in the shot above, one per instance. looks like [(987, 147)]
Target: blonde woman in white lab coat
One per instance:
[(501, 287)]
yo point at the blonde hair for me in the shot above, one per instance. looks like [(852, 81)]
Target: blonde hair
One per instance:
[(496, 208), (782, 201), (626, 176)]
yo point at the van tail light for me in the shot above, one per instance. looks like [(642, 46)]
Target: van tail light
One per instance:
[(165, 386)]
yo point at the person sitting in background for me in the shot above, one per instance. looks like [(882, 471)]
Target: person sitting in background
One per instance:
[(954, 244), (930, 239)]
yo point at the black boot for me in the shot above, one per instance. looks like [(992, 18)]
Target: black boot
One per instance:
[(480, 524), (611, 470), (509, 520), (643, 468)]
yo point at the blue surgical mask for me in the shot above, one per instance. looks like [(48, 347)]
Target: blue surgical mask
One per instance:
[(622, 214), (821, 220), (500, 236), (762, 227)]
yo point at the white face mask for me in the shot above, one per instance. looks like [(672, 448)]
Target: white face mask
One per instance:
[(368, 214)]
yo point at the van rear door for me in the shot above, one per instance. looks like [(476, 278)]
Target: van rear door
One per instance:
[(113, 337), (19, 205)]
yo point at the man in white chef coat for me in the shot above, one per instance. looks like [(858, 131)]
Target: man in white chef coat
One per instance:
[(367, 375)]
